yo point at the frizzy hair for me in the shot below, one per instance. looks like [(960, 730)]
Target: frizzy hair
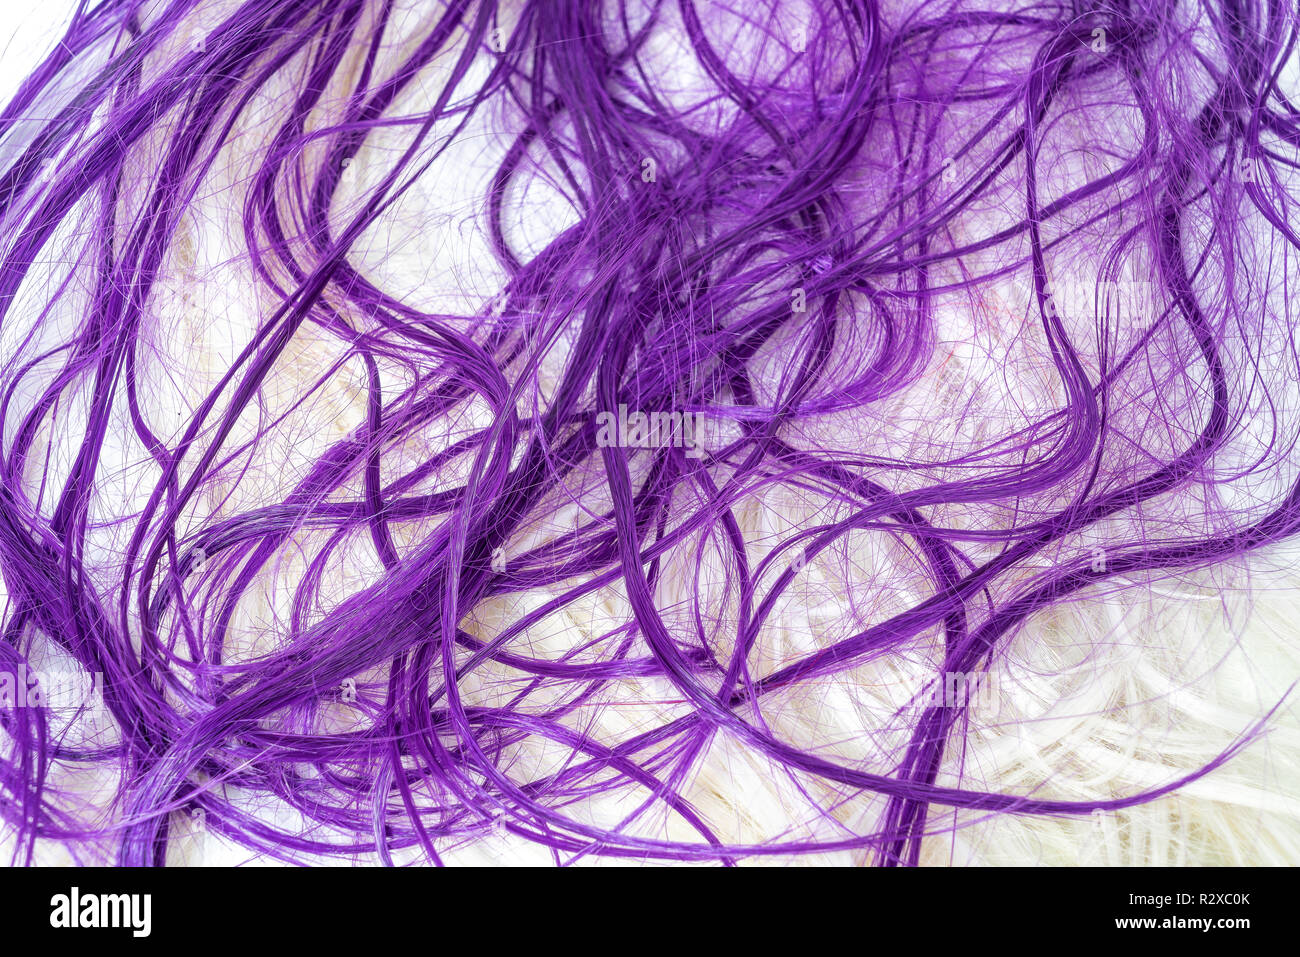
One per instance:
[(309, 312)]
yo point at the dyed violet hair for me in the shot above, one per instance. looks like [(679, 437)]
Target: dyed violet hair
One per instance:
[(771, 218)]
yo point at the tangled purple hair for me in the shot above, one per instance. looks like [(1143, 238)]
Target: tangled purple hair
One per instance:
[(996, 291)]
